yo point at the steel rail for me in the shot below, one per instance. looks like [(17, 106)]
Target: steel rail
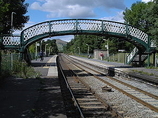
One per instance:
[(128, 85), (68, 86), (124, 92), (113, 111)]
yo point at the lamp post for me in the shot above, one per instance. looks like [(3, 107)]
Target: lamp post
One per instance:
[(37, 44), (107, 47), (49, 49), (74, 50), (45, 48), (88, 49), (12, 14), (79, 50), (41, 46)]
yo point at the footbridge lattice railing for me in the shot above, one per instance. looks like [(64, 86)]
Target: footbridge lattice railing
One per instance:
[(81, 26), (77, 26)]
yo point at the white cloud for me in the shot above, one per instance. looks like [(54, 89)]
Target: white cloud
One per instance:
[(80, 11), (117, 18), (75, 8), (28, 24), (36, 6), (146, 1)]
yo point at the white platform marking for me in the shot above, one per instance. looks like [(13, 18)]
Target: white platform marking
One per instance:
[(53, 71)]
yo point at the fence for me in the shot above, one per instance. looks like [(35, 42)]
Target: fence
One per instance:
[(9, 61), (11, 64), (119, 57)]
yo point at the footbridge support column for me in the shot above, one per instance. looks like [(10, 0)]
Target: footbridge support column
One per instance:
[(1, 45), (0, 62), (154, 59), (148, 63), (24, 56), (140, 59), (21, 55)]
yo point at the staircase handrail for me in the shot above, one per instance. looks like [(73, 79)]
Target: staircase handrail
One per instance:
[(132, 54)]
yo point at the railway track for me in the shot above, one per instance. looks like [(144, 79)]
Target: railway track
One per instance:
[(146, 101), (88, 103)]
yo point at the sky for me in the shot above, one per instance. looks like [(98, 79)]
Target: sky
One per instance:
[(45, 10)]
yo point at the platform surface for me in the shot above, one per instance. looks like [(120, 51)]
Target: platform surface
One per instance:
[(33, 98), (138, 72)]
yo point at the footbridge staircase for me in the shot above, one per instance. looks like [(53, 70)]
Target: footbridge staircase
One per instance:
[(81, 26)]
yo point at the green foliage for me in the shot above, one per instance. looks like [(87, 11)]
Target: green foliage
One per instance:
[(54, 49), (135, 16), (152, 17), (32, 48), (7, 8), (3, 10), (49, 44), (22, 70), (14, 67), (152, 67), (145, 17), (118, 57), (4, 74), (80, 41), (144, 73), (97, 42)]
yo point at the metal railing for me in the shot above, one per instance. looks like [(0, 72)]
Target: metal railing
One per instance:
[(9, 61), (131, 55)]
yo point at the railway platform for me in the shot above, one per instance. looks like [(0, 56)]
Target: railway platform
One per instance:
[(33, 98), (151, 75), (50, 103)]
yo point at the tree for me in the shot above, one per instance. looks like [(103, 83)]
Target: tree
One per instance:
[(54, 47), (145, 17), (3, 9), (13, 6), (152, 18), (136, 17), (96, 42)]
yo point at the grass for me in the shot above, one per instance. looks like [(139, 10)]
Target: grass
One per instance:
[(11, 66), (145, 73), (22, 70), (152, 67), (19, 70)]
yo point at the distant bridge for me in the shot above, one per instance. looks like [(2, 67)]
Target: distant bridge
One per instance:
[(82, 26)]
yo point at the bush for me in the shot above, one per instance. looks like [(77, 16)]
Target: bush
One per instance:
[(22, 70)]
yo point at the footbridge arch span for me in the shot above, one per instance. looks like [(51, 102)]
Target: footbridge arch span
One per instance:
[(85, 26), (82, 26)]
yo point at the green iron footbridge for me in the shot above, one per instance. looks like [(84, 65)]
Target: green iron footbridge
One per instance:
[(141, 40)]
